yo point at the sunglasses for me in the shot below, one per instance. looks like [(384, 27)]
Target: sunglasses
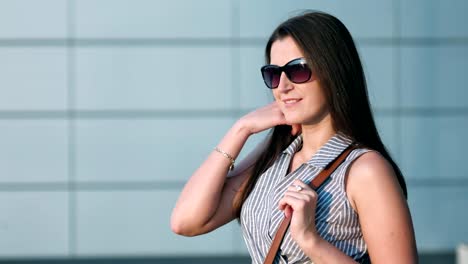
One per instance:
[(296, 70)]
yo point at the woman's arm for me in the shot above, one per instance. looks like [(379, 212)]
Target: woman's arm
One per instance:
[(384, 215), (385, 220), (206, 202)]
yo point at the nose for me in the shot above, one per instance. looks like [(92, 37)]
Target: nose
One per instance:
[(284, 84)]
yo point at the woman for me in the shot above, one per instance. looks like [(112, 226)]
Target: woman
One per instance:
[(321, 107)]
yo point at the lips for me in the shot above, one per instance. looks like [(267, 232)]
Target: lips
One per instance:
[(291, 101)]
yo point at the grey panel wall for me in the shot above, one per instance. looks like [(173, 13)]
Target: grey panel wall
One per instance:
[(106, 107)]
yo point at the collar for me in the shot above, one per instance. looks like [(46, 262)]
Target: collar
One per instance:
[(294, 146), (326, 154)]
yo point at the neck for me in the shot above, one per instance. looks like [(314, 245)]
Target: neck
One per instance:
[(314, 136)]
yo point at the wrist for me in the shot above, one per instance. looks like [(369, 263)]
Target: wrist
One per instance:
[(309, 241), (240, 128)]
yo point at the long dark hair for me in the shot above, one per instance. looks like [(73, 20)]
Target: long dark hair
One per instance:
[(331, 53)]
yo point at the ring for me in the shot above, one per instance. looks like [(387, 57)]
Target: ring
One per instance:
[(298, 188)]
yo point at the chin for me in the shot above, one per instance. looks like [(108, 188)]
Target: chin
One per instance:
[(293, 119), (301, 119)]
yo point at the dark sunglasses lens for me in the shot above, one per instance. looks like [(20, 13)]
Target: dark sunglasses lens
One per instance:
[(271, 76), (298, 73)]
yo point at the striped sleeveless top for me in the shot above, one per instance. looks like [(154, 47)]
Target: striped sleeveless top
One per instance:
[(336, 220)]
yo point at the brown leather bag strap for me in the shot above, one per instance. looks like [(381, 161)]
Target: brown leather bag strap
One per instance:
[(327, 171)]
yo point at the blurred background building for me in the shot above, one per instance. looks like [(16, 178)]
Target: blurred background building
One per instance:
[(108, 106)]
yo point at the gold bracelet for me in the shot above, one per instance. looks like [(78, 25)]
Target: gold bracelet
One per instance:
[(231, 167)]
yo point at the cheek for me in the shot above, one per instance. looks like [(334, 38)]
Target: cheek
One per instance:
[(317, 94), (275, 95), (320, 103), (318, 99), (323, 99)]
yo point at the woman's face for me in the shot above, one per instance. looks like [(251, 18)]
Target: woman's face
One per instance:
[(301, 103)]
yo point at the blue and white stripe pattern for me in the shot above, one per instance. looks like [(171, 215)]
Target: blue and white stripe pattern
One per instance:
[(336, 220)]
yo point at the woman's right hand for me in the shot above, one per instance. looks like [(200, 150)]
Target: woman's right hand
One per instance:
[(266, 117)]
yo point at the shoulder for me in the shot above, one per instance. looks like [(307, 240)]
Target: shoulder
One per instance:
[(371, 176), (369, 165)]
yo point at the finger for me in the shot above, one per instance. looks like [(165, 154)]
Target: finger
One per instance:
[(302, 184), (303, 190), (299, 195), (305, 196), (298, 200), (299, 185), (283, 202), (288, 211), (295, 203), (293, 196), (306, 193)]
